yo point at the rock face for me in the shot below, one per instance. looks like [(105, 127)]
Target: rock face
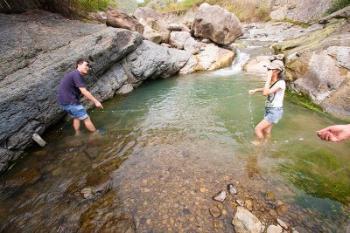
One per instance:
[(119, 19), (154, 61), (28, 84), (299, 10), (245, 222), (216, 24), (317, 63)]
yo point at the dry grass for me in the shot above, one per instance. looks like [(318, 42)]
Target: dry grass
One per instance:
[(245, 10)]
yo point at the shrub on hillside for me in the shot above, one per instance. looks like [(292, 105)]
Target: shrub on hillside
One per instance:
[(245, 10), (337, 5)]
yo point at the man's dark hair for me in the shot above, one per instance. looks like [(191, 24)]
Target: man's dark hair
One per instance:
[(80, 61)]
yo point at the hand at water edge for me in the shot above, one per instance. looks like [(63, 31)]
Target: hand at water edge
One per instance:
[(334, 133)]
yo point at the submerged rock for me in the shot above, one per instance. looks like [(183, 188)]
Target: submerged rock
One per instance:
[(274, 229), (215, 211), (231, 189), (221, 196), (245, 222)]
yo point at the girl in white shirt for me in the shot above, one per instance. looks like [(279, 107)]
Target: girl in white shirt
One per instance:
[(274, 89)]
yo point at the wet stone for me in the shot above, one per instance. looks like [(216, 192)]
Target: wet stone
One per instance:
[(270, 196), (274, 229), (240, 202), (215, 211), (282, 209), (221, 196), (282, 223), (87, 193), (231, 189), (249, 204)]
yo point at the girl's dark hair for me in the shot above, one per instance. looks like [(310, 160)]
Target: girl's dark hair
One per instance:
[(80, 61)]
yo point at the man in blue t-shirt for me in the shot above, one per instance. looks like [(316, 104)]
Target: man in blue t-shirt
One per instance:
[(69, 92)]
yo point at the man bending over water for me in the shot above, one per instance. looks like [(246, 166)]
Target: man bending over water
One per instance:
[(69, 92), (274, 89)]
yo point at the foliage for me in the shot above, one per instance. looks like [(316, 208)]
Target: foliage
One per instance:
[(304, 101), (92, 5), (245, 10), (337, 5)]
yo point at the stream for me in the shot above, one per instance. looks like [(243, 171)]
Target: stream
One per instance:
[(165, 150)]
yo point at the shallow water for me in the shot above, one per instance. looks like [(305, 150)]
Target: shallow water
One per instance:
[(165, 150)]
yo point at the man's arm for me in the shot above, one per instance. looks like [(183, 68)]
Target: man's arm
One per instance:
[(89, 96)]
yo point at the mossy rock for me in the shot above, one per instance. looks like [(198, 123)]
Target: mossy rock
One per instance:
[(307, 42)]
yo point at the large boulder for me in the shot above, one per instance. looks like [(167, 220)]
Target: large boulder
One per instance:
[(178, 39), (153, 61), (119, 19), (155, 28), (216, 24), (211, 57)]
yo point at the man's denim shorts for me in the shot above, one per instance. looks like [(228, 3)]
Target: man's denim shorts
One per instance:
[(273, 115), (76, 111)]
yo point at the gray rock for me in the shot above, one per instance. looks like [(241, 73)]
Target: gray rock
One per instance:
[(220, 197), (343, 13), (245, 222), (316, 82), (341, 55), (216, 24), (178, 39), (178, 27), (304, 10), (154, 25), (119, 19), (153, 61), (193, 46), (210, 57), (126, 89)]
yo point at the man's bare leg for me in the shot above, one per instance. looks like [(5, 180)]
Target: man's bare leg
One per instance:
[(89, 125), (76, 126)]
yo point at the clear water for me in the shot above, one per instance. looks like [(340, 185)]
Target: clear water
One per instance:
[(165, 150)]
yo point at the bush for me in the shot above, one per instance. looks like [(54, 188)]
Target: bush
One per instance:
[(245, 10), (337, 5), (92, 5)]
